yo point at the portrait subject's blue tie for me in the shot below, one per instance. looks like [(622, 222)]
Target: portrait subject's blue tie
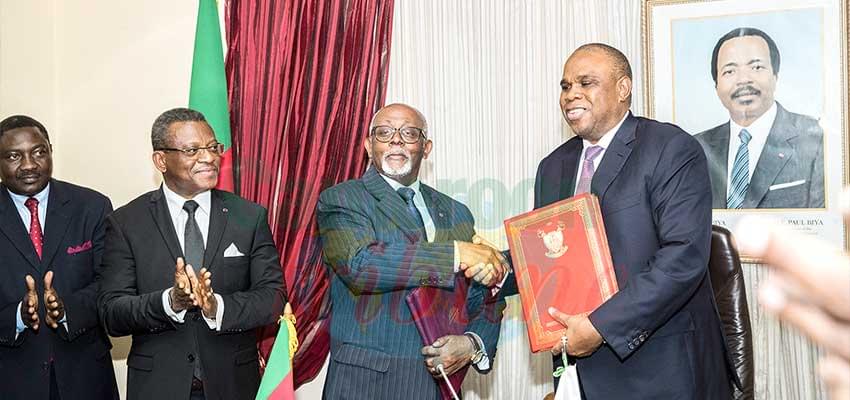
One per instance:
[(407, 194), (739, 181)]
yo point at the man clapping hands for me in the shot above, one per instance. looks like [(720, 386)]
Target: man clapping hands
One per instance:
[(191, 290), (51, 241)]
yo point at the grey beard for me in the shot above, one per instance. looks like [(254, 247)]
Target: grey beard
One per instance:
[(402, 171)]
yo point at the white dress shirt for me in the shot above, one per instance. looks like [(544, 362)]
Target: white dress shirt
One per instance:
[(759, 131), (179, 216), (603, 142)]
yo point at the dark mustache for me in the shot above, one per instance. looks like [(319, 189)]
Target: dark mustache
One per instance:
[(745, 90)]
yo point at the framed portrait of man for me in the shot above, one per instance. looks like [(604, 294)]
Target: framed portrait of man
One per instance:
[(763, 87)]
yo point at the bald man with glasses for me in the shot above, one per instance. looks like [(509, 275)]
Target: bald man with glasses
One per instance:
[(383, 236)]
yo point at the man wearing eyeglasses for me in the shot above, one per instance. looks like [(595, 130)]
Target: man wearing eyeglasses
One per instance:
[(190, 272), (384, 235)]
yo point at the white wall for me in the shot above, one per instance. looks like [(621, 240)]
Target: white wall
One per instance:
[(97, 73), (27, 59)]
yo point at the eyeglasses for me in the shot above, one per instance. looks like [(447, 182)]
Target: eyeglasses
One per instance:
[(409, 134), (215, 149)]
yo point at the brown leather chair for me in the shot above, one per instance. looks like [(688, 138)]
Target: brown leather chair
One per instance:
[(727, 280)]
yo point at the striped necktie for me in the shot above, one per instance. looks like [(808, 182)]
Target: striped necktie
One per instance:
[(740, 178)]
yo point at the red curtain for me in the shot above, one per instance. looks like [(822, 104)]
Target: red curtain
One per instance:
[(305, 77)]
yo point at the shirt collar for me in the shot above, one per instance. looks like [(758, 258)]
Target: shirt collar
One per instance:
[(396, 185), (606, 139), (41, 196), (176, 201), (760, 127)]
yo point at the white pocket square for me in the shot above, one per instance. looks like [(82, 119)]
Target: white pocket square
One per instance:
[(232, 251), (786, 185)]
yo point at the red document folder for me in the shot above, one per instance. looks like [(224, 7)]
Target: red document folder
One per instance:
[(561, 259), (439, 312)]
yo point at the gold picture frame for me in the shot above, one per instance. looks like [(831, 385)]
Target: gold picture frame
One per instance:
[(681, 38)]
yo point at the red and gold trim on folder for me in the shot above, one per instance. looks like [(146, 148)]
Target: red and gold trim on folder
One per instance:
[(561, 258)]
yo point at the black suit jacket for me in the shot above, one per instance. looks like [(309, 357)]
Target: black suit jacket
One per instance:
[(138, 265), (662, 331), (73, 245), (789, 173)]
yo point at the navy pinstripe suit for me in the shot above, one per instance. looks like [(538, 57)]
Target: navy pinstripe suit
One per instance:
[(372, 246)]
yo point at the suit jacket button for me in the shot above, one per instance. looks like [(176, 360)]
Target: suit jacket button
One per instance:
[(190, 357)]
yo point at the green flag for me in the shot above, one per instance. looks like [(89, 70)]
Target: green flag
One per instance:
[(208, 90), (277, 383)]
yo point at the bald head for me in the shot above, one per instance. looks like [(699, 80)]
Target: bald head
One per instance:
[(399, 112), (397, 142)]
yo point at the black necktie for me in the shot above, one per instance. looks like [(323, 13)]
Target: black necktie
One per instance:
[(193, 254), (407, 194), (193, 242)]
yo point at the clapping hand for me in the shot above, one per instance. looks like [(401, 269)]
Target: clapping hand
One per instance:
[(52, 303), (181, 296), (29, 305), (203, 292)]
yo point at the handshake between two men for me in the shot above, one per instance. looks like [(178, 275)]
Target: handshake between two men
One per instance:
[(482, 262)]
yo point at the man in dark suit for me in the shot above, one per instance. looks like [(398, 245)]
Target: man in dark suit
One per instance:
[(190, 272), (51, 342), (384, 235), (659, 337), (765, 156)]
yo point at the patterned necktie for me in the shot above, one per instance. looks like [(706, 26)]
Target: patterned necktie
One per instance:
[(35, 226), (740, 179), (193, 242), (407, 194), (587, 169)]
